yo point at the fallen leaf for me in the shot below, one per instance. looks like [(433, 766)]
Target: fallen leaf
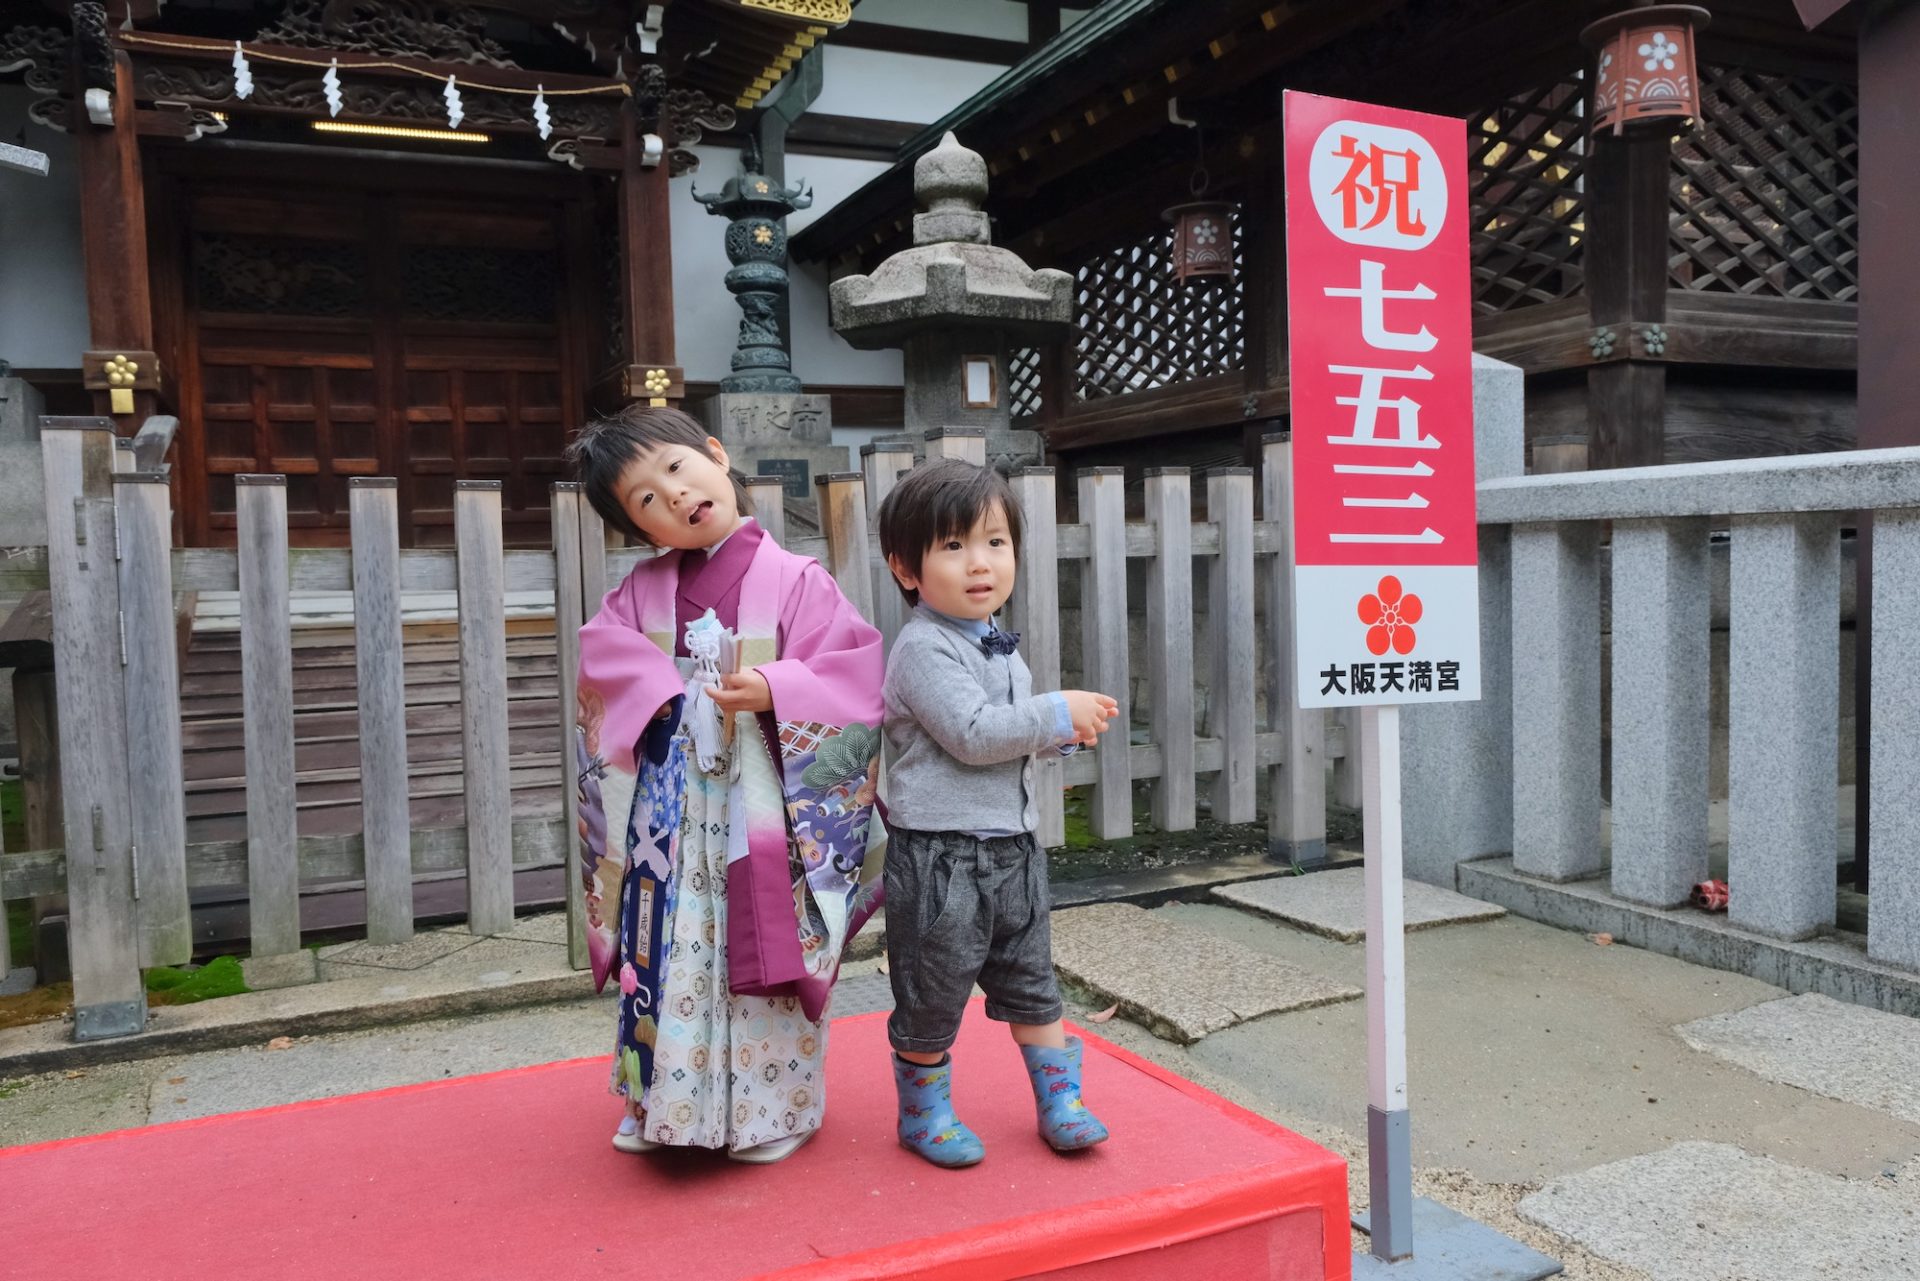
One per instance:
[(75, 1076), (1103, 1015), (1601, 940), (176, 1080), (280, 1043), (883, 965)]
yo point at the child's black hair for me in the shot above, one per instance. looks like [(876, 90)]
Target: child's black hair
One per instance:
[(936, 501), (602, 451)]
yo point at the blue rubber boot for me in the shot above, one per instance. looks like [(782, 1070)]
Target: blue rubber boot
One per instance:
[(928, 1126), (1065, 1123)]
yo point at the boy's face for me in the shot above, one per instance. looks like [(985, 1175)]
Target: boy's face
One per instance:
[(970, 576), (680, 496)]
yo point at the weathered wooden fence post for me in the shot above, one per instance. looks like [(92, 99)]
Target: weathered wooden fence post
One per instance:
[(1297, 787), (156, 787), (103, 939), (569, 615), (1103, 628), (266, 657), (769, 497), (1170, 645), (483, 706), (843, 519), (882, 465), (1230, 618), (1034, 612), (380, 662)]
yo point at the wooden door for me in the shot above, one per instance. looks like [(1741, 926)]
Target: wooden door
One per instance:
[(373, 329)]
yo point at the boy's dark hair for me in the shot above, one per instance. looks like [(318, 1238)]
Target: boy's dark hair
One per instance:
[(939, 500), (601, 452)]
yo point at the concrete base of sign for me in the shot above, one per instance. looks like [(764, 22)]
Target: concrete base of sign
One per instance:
[(1448, 1246)]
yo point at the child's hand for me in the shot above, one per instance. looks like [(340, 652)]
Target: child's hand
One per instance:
[(1090, 713), (742, 692)]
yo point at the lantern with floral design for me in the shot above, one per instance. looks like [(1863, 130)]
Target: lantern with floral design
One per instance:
[(1645, 69), (1202, 239)]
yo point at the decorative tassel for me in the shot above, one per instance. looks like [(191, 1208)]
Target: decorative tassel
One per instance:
[(542, 120), (455, 112), (331, 83), (242, 73)]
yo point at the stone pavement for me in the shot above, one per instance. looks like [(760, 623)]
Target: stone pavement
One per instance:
[(1334, 903), (1629, 1114)]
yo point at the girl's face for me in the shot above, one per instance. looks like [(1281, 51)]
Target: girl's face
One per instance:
[(680, 496)]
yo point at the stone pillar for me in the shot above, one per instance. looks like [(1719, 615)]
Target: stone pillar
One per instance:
[(1456, 758), (1783, 673), (1893, 928), (1662, 623), (1556, 701), (788, 436)]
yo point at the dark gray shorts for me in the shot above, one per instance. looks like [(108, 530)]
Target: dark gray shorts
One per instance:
[(964, 909)]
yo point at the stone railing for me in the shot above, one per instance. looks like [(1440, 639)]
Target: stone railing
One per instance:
[(1542, 596)]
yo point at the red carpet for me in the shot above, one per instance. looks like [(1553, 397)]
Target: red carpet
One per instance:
[(510, 1175)]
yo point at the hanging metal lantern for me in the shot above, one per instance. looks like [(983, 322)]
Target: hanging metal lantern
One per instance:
[(1645, 73), (1202, 239)]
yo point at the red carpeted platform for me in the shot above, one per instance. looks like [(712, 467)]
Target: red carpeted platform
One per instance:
[(510, 1175)]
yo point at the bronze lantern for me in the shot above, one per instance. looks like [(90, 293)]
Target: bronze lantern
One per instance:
[(1645, 69), (1202, 239)]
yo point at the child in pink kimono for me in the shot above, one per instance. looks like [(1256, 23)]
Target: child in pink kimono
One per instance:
[(728, 743)]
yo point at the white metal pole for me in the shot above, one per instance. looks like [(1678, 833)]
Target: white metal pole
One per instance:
[(1389, 1150)]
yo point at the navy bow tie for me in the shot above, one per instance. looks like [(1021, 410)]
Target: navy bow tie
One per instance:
[(999, 642)]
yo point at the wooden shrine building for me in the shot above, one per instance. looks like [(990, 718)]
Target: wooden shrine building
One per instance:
[(1670, 299), (378, 237)]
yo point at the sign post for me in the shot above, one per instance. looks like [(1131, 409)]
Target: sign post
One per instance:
[(1385, 578)]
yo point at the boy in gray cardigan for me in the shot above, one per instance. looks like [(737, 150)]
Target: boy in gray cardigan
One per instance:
[(966, 883)]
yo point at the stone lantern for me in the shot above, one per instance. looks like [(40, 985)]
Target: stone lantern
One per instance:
[(768, 423), (956, 305)]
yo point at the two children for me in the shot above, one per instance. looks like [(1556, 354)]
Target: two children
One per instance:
[(730, 701)]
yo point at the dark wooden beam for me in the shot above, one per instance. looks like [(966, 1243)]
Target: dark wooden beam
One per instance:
[(951, 45), (113, 237), (814, 134), (646, 297), (1628, 177), (1043, 22)]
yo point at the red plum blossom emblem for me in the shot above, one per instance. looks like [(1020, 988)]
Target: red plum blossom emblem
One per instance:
[(1390, 615)]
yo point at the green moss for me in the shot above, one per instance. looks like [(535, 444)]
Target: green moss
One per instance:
[(10, 1088), (218, 977), (20, 933)]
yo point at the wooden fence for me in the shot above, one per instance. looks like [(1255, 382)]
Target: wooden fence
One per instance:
[(127, 868)]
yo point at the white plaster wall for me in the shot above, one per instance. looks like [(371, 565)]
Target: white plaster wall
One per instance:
[(898, 86), (43, 296)]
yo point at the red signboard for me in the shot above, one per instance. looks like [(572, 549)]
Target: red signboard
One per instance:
[(1380, 339)]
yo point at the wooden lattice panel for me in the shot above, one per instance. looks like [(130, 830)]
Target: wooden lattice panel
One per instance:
[(1023, 381), (1766, 188), (1525, 161), (1137, 328)]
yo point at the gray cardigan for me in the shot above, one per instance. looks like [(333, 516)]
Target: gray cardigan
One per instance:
[(963, 726)]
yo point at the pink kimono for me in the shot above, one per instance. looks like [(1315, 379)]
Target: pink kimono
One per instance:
[(779, 841)]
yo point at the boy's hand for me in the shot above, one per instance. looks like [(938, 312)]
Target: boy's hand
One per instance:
[(742, 692), (1090, 713)]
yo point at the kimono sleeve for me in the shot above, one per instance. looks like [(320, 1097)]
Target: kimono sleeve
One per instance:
[(831, 660), (625, 679)]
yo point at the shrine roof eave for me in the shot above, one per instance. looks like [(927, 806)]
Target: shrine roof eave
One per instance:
[(1095, 35)]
